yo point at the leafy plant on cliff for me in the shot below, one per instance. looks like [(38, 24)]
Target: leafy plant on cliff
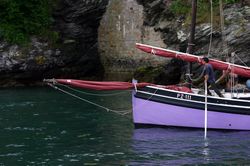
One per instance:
[(183, 7), (22, 18), (180, 7)]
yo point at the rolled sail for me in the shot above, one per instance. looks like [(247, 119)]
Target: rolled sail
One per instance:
[(217, 64)]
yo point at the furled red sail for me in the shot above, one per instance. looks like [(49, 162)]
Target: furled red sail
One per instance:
[(112, 85), (220, 65), (95, 85)]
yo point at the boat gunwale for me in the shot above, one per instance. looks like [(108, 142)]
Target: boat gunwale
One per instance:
[(195, 101), (199, 95)]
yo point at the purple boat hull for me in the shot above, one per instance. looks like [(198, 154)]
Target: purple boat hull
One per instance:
[(156, 113)]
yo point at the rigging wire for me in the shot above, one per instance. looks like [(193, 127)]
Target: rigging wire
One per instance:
[(211, 24), (120, 112), (225, 47), (240, 60), (222, 26), (199, 77)]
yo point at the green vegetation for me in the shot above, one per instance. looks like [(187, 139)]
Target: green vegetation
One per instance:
[(180, 7), (183, 7), (22, 18)]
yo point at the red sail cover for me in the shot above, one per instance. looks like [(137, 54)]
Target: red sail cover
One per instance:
[(114, 85), (95, 85), (220, 65)]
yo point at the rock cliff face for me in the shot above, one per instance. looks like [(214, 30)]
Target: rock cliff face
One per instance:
[(73, 55), (97, 36), (120, 28), (175, 31)]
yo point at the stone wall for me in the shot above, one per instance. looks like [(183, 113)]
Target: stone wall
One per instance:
[(122, 27)]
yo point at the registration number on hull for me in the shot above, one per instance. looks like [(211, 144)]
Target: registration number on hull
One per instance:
[(184, 96)]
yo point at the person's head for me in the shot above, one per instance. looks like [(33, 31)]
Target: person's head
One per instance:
[(205, 59)]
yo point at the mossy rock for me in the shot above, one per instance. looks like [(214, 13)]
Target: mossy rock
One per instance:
[(165, 74)]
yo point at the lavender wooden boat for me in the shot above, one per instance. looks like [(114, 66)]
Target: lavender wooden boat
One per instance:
[(159, 106)]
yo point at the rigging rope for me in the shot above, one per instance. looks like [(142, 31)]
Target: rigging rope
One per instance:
[(222, 25), (225, 48), (240, 60), (123, 112), (211, 32), (199, 77), (120, 112), (232, 77)]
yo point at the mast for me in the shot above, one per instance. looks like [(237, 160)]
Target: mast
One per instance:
[(191, 44), (192, 28), (224, 45)]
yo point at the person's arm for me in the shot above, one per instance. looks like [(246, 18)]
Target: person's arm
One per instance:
[(206, 77), (206, 73)]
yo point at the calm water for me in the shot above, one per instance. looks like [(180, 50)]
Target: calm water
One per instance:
[(42, 126)]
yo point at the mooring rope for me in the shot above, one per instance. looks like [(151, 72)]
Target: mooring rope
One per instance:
[(122, 112)]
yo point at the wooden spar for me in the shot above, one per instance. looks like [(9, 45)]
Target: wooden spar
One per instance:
[(217, 64), (191, 44), (192, 28)]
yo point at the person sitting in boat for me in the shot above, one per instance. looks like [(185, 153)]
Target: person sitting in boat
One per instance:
[(209, 76)]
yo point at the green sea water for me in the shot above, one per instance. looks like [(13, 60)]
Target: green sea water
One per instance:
[(43, 126)]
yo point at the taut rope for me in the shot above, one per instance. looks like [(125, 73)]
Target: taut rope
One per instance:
[(211, 32), (122, 112)]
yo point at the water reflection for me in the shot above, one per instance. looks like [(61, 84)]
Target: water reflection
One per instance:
[(206, 150), (172, 146)]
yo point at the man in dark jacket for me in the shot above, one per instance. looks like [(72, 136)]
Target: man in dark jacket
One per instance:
[(209, 77)]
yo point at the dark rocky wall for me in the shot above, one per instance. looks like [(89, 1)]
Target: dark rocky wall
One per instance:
[(73, 55), (175, 32), (78, 22)]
